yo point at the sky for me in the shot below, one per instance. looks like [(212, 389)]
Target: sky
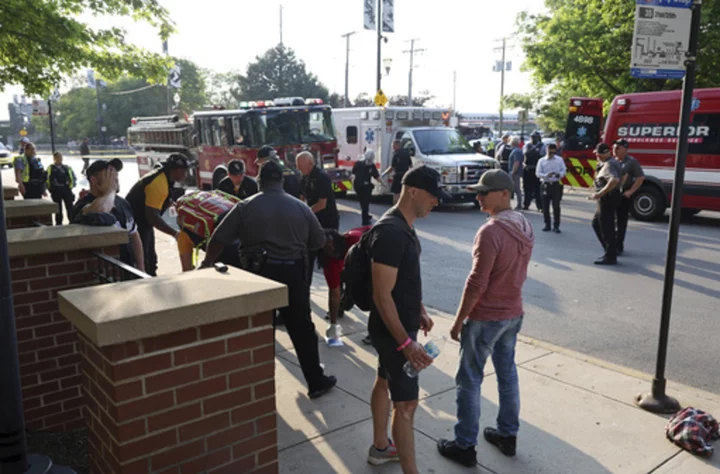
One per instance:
[(457, 35)]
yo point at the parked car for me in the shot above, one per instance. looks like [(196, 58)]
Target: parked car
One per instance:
[(6, 158)]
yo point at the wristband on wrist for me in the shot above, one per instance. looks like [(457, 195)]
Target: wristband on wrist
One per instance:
[(404, 344)]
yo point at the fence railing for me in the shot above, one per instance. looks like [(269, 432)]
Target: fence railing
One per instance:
[(112, 270)]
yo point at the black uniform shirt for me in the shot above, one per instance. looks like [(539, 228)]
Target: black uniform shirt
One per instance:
[(317, 185), (247, 188)]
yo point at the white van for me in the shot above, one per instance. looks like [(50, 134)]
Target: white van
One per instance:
[(423, 131)]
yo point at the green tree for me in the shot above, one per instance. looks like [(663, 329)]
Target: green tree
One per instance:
[(41, 41), (194, 89), (363, 100), (583, 48), (401, 100), (278, 73)]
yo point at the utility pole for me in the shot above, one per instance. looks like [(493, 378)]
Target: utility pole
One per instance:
[(167, 87), (379, 44), (454, 90), (281, 26), (412, 52), (99, 113), (347, 66), (502, 85)]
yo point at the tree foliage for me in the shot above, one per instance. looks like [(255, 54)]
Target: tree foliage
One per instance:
[(583, 48), (43, 40), (279, 73)]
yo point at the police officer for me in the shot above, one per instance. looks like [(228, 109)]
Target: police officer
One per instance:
[(320, 196), (631, 178), (150, 197), (276, 231), (533, 151), (61, 181), (30, 175), (607, 196), (236, 182), (291, 178)]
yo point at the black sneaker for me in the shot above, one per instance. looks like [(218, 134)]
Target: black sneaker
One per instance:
[(450, 450), (506, 444), (557, 230), (546, 228), (327, 385), (367, 340), (605, 261)]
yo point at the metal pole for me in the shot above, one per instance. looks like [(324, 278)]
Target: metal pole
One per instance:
[(379, 45), (346, 99), (454, 89), (657, 401), (52, 127), (281, 25), (13, 446), (502, 85), (412, 56)]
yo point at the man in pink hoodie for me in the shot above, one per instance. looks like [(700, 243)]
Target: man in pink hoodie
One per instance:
[(489, 319)]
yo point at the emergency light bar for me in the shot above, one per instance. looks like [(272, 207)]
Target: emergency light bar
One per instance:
[(313, 102), (289, 101)]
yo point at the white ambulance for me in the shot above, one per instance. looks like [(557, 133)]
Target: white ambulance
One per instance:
[(424, 131)]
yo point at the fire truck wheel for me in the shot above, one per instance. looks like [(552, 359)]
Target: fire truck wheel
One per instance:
[(218, 175), (649, 204)]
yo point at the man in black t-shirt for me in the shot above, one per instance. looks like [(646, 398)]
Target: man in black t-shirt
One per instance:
[(103, 207), (401, 162), (320, 196), (397, 314), (236, 182)]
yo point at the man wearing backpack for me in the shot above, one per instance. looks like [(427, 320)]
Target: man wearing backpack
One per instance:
[(533, 151), (397, 314)]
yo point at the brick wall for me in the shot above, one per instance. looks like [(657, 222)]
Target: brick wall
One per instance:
[(25, 221), (200, 400), (47, 343)]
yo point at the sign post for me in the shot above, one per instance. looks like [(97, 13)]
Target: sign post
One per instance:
[(665, 46)]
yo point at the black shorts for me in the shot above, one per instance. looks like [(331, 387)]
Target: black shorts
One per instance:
[(390, 368), (396, 185)]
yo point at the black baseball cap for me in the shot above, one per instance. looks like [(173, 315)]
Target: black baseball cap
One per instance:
[(265, 153), (236, 167), (271, 171), (622, 142), (428, 179), (177, 161), (602, 148), (99, 165), (493, 180)]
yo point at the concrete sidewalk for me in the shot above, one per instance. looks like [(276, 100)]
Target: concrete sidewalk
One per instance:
[(577, 414)]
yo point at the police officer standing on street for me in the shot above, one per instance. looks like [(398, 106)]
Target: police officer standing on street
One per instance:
[(320, 196), (550, 170), (533, 151), (291, 178), (30, 174), (607, 196), (631, 178), (276, 231), (236, 182)]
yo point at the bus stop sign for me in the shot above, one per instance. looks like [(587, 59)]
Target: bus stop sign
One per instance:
[(661, 38)]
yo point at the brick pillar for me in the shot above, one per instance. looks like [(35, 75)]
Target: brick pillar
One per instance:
[(40, 267), (199, 397), (9, 192), (25, 212)]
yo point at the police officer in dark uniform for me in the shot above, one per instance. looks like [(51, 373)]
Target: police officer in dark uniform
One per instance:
[(291, 177), (276, 231), (320, 196), (150, 197), (607, 196), (236, 182)]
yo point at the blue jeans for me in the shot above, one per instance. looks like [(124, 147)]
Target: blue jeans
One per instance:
[(480, 339)]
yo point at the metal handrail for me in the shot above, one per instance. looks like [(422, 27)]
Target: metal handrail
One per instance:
[(112, 270)]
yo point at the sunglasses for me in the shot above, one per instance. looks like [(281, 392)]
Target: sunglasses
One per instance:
[(485, 193)]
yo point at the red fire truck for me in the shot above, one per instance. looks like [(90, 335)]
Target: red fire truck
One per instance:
[(212, 138), (649, 122)]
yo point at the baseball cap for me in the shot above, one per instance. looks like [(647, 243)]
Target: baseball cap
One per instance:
[(99, 165), (536, 134), (493, 180), (265, 153), (622, 142), (236, 167), (271, 171), (177, 161), (428, 179), (602, 148)]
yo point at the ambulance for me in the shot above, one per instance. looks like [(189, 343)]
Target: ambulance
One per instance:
[(649, 123), (425, 132)]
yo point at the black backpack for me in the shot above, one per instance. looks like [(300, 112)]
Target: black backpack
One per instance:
[(356, 277)]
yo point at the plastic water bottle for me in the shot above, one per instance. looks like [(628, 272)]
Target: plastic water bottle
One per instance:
[(433, 348), (333, 335)]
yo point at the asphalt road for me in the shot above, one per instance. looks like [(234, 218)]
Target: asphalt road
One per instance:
[(612, 313)]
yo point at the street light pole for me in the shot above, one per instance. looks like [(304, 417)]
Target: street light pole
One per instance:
[(502, 85), (412, 52), (658, 401), (347, 36), (99, 113), (379, 44)]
